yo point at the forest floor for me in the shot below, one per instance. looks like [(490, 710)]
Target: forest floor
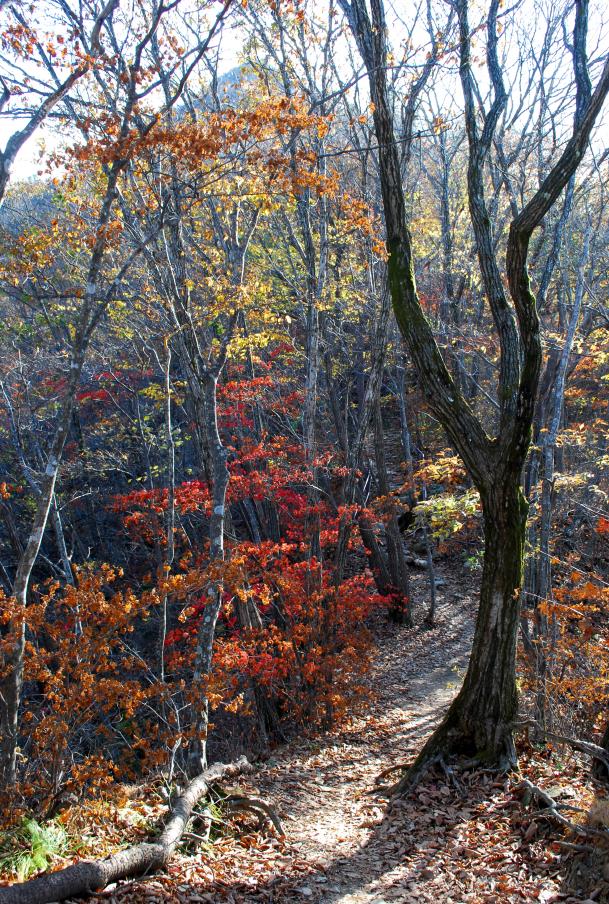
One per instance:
[(344, 844)]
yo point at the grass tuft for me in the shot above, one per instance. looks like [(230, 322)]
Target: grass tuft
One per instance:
[(30, 847)]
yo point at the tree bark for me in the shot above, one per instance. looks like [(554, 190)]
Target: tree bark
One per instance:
[(90, 876), (600, 769), (480, 719), (197, 749), (401, 609)]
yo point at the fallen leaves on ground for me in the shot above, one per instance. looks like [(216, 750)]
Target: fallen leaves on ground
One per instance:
[(445, 844)]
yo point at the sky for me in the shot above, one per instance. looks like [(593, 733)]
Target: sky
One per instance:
[(28, 163), (49, 136)]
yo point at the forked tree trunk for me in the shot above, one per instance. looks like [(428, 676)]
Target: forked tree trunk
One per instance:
[(481, 718)]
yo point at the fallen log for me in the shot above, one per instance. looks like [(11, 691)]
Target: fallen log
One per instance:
[(90, 876)]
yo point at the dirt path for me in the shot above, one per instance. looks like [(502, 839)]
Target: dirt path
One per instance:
[(346, 845), (322, 790)]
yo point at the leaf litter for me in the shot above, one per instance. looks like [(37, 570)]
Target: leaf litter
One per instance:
[(345, 844)]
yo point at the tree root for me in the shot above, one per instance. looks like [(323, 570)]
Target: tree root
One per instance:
[(579, 848), (435, 749), (552, 810), (447, 740), (91, 876), (413, 775), (237, 803), (378, 781), (449, 772)]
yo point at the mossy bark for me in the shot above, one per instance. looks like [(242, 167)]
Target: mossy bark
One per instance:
[(479, 723), (486, 706)]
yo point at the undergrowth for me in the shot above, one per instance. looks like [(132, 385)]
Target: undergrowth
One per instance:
[(31, 847)]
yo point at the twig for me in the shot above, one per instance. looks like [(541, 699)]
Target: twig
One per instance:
[(584, 848), (552, 810), (238, 802)]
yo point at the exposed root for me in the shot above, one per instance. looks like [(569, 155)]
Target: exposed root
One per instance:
[(438, 746), (451, 739), (579, 848), (238, 803), (383, 775), (449, 772), (552, 810), (413, 776)]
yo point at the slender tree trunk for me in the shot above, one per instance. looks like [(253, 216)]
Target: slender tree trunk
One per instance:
[(401, 610), (197, 750), (11, 680), (407, 445), (308, 418), (376, 559), (170, 519), (600, 770), (355, 451)]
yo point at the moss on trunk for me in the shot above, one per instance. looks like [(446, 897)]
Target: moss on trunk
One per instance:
[(479, 722)]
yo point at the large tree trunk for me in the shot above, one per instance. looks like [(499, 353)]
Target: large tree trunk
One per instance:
[(487, 704), (480, 720), (481, 716)]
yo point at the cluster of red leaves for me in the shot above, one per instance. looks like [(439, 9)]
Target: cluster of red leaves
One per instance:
[(289, 634), (286, 630), (7, 490)]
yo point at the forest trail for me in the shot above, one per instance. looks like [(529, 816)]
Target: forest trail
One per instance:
[(323, 790), (345, 843), (338, 846)]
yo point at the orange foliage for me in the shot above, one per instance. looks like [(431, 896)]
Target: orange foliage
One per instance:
[(85, 686)]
